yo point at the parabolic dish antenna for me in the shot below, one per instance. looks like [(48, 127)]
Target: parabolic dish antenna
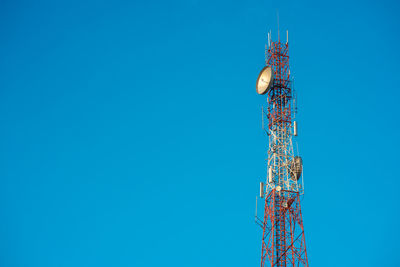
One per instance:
[(264, 80), (296, 168)]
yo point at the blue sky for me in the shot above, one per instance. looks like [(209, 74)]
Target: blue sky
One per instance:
[(131, 131)]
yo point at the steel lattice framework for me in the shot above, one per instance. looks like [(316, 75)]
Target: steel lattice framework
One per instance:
[(283, 240)]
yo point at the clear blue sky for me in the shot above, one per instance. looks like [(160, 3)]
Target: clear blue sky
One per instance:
[(131, 131)]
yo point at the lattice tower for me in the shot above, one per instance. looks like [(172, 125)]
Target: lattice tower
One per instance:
[(283, 240)]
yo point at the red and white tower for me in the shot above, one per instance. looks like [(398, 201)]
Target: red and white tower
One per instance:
[(283, 239)]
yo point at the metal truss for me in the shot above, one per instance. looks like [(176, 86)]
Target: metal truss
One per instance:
[(283, 241)]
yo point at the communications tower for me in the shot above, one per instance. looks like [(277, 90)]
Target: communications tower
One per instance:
[(283, 240)]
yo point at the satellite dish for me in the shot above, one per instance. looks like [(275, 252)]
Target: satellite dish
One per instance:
[(296, 168), (264, 80)]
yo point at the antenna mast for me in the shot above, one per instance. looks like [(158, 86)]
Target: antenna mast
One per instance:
[(277, 16), (283, 239)]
